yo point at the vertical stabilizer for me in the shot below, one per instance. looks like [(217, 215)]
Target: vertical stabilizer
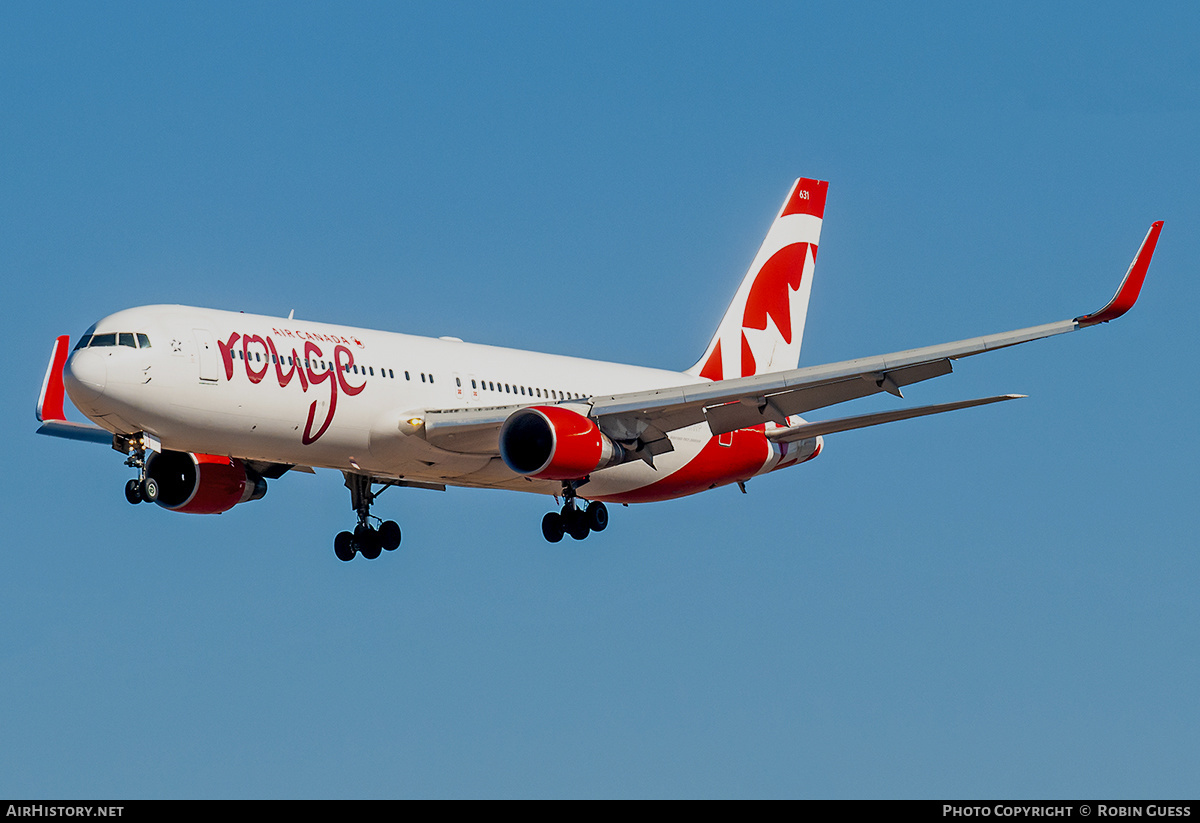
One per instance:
[(763, 326)]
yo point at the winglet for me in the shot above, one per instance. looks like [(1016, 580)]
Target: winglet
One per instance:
[(1131, 286), (50, 401), (50, 411)]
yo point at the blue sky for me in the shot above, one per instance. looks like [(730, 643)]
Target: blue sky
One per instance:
[(996, 602)]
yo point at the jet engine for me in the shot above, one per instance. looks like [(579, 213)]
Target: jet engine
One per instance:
[(553, 443), (199, 483)]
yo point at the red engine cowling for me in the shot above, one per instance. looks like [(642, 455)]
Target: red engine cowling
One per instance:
[(553, 443), (202, 483)]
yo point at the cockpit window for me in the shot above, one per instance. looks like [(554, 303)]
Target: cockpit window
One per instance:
[(123, 338)]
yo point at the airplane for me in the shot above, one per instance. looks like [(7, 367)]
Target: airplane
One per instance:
[(209, 405)]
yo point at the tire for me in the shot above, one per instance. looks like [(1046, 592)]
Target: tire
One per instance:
[(552, 527), (343, 546), (368, 542), (597, 516), (389, 535), (133, 492), (577, 525), (150, 490)]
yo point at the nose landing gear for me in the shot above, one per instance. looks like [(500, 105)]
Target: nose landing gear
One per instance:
[(142, 489), (366, 539)]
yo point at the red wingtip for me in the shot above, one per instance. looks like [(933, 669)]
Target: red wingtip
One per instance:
[(50, 401), (1131, 286)]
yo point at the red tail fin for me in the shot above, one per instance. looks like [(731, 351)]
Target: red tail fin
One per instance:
[(763, 326)]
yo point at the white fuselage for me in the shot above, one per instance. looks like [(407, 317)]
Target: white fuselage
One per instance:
[(313, 394)]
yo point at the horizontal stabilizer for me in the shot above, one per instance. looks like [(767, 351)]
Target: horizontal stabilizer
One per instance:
[(841, 424)]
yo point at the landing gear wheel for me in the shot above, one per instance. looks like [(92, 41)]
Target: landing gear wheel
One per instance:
[(150, 490), (367, 540), (343, 546), (575, 522), (597, 516), (133, 492), (389, 535), (552, 527)]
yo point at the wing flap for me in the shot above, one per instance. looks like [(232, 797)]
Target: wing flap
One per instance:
[(753, 411)]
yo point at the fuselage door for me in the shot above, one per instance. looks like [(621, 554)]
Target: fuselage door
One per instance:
[(206, 355), (466, 389)]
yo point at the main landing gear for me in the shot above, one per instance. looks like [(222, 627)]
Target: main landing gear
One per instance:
[(572, 520), (366, 539)]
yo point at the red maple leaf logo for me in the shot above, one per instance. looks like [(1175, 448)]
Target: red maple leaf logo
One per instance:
[(770, 296)]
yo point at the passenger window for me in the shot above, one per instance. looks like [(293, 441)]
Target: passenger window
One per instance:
[(371, 369), (407, 376)]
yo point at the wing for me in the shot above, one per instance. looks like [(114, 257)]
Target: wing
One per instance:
[(645, 419), (728, 405)]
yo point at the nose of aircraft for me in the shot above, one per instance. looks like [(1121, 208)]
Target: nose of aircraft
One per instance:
[(85, 376)]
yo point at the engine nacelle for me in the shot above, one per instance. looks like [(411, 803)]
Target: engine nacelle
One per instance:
[(553, 443), (202, 483)]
